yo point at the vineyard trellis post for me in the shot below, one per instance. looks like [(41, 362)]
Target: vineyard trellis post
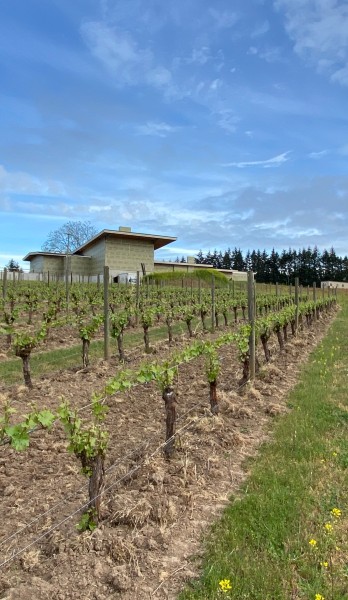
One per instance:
[(251, 317), (296, 303), (4, 284), (137, 297), (213, 303), (106, 315)]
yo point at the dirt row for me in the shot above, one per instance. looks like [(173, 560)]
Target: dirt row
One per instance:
[(154, 510)]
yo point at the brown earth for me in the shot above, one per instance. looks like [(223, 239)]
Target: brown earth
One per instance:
[(154, 510)]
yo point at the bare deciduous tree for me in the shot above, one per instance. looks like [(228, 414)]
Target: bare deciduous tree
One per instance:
[(70, 236)]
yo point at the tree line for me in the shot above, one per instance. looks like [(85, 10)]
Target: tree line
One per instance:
[(309, 264)]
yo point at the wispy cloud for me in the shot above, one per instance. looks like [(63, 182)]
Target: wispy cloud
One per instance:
[(120, 53), (224, 19), (317, 155), (260, 29), (275, 161), (158, 129), (24, 183), (319, 30)]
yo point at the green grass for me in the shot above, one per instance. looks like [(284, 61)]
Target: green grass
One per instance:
[(261, 544), (43, 363)]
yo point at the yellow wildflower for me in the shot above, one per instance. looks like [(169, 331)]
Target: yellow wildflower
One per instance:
[(312, 543), (319, 597), (324, 564), (334, 454), (328, 527), (336, 512), (225, 585)]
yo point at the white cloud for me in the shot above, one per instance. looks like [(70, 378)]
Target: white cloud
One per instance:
[(227, 119), (260, 29), (24, 183), (121, 55), (99, 208), (217, 83), (276, 225), (224, 19), (200, 56), (185, 251), (252, 50), (319, 30), (275, 161), (319, 154), (156, 129)]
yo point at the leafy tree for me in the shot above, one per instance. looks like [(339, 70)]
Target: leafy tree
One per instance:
[(71, 236)]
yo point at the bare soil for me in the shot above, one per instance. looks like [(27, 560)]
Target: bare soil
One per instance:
[(155, 511)]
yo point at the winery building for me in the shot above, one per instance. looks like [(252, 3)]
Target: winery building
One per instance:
[(125, 253)]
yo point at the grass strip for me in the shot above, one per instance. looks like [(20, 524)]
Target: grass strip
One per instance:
[(42, 363), (280, 539)]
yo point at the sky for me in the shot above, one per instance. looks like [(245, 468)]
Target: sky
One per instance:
[(223, 123)]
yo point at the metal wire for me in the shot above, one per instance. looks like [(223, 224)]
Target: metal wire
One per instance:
[(126, 475)]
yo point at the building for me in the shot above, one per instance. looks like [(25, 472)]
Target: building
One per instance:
[(340, 285), (123, 251)]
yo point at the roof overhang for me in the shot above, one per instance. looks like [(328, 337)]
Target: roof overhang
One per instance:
[(32, 255), (158, 240)]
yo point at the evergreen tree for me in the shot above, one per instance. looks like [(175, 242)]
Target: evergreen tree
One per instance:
[(237, 260)]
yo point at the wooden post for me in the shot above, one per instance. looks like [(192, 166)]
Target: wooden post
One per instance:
[(98, 281), (4, 284), (106, 315), (277, 289), (67, 282), (137, 298), (213, 303), (314, 291), (48, 278), (170, 408), (296, 303), (251, 317)]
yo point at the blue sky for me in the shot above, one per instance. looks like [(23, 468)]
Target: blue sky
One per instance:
[(222, 123)]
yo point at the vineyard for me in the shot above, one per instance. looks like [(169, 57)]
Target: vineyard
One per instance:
[(111, 468)]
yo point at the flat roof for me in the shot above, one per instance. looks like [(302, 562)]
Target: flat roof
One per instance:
[(31, 255), (38, 253), (182, 264), (158, 240)]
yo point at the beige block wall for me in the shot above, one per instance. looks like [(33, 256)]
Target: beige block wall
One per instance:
[(53, 264), (36, 264), (97, 254), (126, 256), (181, 267), (80, 264)]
